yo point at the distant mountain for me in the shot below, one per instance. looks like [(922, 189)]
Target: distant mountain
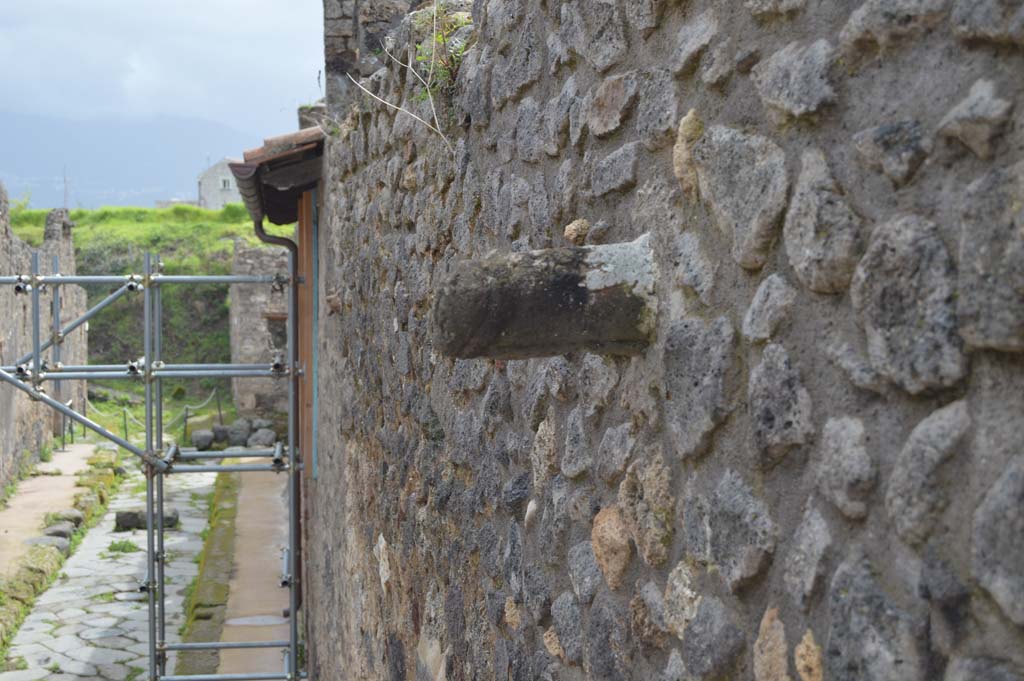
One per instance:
[(111, 161)]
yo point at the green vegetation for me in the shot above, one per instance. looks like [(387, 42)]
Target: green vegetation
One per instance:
[(41, 565), (123, 546), (445, 53)]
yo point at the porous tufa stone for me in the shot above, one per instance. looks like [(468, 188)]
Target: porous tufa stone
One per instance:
[(771, 652), (770, 307), (576, 231), (612, 550)]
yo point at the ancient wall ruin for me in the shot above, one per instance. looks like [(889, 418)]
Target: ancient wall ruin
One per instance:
[(258, 330), (26, 426), (814, 470)]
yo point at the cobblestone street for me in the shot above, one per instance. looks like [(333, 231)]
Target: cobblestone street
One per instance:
[(92, 623)]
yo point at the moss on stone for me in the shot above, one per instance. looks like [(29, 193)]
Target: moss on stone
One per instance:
[(206, 602)]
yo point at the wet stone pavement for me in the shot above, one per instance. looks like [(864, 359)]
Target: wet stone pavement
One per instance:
[(92, 624)]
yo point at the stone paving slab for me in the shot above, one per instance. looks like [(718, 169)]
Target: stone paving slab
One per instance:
[(90, 625)]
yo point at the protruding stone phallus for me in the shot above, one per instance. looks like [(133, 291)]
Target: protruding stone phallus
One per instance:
[(549, 302)]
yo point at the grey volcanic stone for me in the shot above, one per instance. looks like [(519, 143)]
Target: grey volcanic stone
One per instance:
[(264, 437), (726, 160), (71, 515), (779, 405), (515, 492), (644, 15), (693, 38), (607, 642), (846, 472), (895, 149), (202, 439), (576, 456), (657, 110), (903, 292), (617, 171), (742, 533), (770, 307), (977, 120), (530, 142), (699, 376), (990, 303), (136, 520), (914, 497), (794, 82), (693, 268), (980, 669), (805, 560), (62, 529), (238, 433), (568, 623), (220, 433), (584, 573), (598, 377), (601, 39), (556, 117), (614, 452), (995, 21), (647, 623), (884, 22), (997, 552), (675, 669), (822, 233), (856, 367), (60, 543), (713, 641), (608, 106), (869, 638), (259, 424), (767, 7), (719, 64)]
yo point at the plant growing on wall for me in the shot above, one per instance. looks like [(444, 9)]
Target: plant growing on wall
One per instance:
[(440, 55)]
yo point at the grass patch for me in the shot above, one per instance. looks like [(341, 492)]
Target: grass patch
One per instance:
[(134, 673), (123, 546)]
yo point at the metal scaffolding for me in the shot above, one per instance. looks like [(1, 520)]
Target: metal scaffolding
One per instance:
[(31, 373)]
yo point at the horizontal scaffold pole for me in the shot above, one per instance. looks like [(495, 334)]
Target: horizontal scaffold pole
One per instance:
[(225, 645), (230, 468), (88, 423), (228, 677)]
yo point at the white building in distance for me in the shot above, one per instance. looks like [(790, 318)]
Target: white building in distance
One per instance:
[(217, 186)]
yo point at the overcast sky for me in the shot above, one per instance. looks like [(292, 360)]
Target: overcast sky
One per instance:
[(245, 63)]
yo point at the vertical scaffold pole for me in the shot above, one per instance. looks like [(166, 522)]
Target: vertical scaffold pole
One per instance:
[(158, 316), (36, 343), (293, 516), (147, 342), (55, 353)]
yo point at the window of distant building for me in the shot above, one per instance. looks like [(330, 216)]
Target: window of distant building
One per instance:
[(225, 184)]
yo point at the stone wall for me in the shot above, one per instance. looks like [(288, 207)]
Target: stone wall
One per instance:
[(353, 30), (26, 426), (258, 330), (815, 469)]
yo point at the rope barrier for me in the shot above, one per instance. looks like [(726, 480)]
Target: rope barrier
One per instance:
[(167, 423)]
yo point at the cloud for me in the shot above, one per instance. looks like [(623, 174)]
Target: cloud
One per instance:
[(245, 63)]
